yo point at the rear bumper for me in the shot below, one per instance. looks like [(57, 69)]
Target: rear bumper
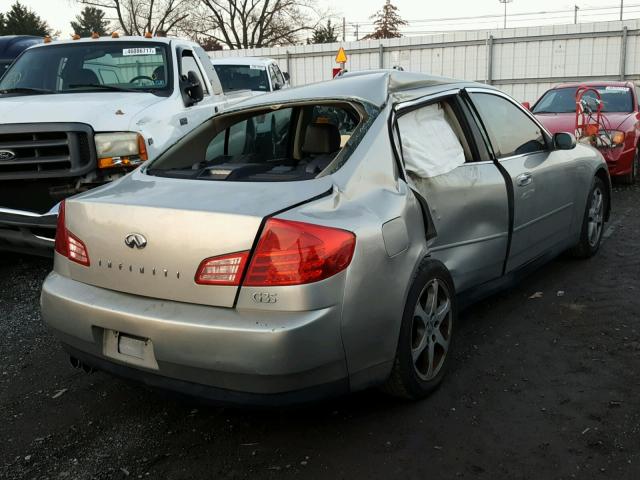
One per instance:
[(228, 355), (27, 232)]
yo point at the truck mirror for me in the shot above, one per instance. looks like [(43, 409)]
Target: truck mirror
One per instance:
[(191, 88), (286, 76)]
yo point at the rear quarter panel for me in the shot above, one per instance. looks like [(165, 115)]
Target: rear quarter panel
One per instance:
[(367, 195)]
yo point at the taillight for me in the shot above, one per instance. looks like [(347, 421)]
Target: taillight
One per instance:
[(222, 270), (295, 253), (67, 244), (61, 244)]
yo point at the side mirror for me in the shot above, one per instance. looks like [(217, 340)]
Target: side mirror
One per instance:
[(286, 76), (191, 88), (526, 105), (564, 141), (276, 86)]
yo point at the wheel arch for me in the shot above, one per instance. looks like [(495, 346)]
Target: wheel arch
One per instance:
[(603, 175)]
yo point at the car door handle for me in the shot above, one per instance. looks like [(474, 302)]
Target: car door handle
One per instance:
[(524, 179)]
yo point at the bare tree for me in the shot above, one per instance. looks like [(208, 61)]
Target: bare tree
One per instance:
[(255, 23), (135, 17)]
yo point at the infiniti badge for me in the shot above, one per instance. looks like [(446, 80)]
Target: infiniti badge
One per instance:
[(7, 155), (135, 240)]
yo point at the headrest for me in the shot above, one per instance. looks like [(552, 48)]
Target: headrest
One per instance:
[(321, 138), (80, 77)]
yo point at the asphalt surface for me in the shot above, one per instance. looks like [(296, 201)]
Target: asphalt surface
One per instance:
[(544, 384)]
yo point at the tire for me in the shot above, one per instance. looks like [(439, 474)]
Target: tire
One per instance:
[(593, 221), (426, 329), (630, 178)]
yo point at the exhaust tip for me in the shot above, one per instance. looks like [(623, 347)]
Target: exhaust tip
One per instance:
[(79, 364)]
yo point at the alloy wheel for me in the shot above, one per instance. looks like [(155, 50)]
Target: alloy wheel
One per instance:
[(431, 329), (596, 217)]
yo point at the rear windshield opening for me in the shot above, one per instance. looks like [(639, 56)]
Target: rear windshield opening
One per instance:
[(284, 144)]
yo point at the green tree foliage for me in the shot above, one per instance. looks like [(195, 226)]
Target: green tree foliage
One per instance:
[(324, 34), (2, 21), (20, 20), (387, 23), (90, 20)]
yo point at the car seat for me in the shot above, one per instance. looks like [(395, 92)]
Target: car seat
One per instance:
[(321, 142), (82, 76)]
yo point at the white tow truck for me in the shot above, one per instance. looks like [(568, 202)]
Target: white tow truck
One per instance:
[(79, 113)]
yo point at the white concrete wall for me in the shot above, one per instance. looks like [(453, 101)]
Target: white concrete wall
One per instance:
[(525, 61)]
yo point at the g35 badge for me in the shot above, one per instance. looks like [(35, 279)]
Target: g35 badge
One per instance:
[(260, 297)]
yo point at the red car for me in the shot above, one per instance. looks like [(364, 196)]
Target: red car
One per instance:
[(556, 109)]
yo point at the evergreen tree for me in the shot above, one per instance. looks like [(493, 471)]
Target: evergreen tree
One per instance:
[(90, 20), (322, 34), (209, 44), (2, 22), (20, 20), (387, 23)]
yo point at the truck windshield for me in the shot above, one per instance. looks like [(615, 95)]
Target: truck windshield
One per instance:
[(100, 67), (563, 100), (243, 77)]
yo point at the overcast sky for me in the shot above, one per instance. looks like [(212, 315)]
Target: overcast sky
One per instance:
[(58, 13)]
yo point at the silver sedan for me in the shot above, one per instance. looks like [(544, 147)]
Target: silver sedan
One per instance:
[(319, 240)]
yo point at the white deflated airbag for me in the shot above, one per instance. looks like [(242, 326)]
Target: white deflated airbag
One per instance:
[(430, 147)]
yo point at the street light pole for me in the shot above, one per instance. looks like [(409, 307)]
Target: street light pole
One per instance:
[(505, 10), (621, 8), (575, 13)]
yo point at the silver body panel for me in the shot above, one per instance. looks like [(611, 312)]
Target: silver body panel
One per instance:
[(345, 327)]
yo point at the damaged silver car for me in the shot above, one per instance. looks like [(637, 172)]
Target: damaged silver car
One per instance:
[(319, 240)]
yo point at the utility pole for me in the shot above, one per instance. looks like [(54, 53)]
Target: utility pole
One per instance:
[(575, 13), (357, 27), (344, 29), (621, 8), (505, 10)]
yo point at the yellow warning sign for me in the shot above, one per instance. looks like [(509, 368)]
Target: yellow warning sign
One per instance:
[(341, 57)]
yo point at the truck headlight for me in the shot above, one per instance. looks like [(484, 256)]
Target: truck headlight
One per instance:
[(119, 149)]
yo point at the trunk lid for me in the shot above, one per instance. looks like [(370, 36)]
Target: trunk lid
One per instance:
[(183, 222)]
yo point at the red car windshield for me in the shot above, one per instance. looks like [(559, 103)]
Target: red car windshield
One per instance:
[(563, 100)]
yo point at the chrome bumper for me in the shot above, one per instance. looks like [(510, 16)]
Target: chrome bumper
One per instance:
[(236, 351), (28, 232)]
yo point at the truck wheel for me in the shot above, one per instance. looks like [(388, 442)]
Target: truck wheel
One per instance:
[(592, 222), (630, 178), (426, 333)]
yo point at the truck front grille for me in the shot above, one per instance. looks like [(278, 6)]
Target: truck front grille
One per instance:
[(45, 150)]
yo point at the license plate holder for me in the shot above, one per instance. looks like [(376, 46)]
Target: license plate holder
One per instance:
[(129, 348)]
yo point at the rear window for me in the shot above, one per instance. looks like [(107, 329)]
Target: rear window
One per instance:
[(286, 144)]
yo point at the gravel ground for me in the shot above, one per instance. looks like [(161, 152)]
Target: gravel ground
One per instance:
[(544, 385)]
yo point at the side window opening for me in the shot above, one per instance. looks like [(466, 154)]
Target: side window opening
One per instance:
[(510, 130), (188, 63), (275, 83), (279, 75), (209, 70), (432, 140), (286, 144)]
